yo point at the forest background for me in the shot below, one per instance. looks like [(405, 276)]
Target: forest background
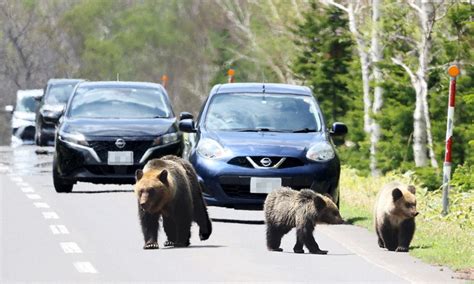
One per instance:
[(378, 66)]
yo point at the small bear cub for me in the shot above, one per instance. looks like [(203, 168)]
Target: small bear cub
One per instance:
[(286, 209), (394, 216)]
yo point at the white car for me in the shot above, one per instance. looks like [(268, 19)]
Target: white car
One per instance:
[(23, 114)]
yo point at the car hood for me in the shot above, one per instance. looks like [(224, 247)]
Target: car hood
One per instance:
[(266, 143), (118, 127)]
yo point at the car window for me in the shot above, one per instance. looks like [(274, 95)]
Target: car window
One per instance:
[(268, 112), (59, 94), (26, 104), (121, 102)]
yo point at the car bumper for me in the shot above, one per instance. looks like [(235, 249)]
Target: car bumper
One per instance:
[(81, 163), (229, 185)]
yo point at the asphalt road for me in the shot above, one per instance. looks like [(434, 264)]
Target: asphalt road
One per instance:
[(93, 234)]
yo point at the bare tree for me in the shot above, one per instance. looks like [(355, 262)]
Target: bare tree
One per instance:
[(241, 14)]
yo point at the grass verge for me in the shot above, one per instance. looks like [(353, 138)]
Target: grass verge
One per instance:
[(441, 240)]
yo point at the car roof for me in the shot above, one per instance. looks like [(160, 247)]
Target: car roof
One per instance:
[(29, 93), (63, 81), (259, 87), (105, 84)]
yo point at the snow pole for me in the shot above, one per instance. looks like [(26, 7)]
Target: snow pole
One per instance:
[(453, 72), (230, 75), (164, 80)]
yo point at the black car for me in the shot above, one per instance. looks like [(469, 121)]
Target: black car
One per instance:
[(111, 129), (252, 138), (52, 103)]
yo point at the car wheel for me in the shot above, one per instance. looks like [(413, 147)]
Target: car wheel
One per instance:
[(60, 185)]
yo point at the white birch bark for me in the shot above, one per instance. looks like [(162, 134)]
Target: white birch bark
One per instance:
[(377, 56), (364, 56), (422, 138)]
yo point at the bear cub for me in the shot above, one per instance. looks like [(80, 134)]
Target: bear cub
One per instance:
[(168, 187), (286, 209), (394, 216)]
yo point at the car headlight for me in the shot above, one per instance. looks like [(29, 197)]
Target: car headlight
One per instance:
[(75, 138), (166, 139), (321, 151), (210, 149)]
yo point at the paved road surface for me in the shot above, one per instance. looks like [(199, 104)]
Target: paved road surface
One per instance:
[(93, 234)]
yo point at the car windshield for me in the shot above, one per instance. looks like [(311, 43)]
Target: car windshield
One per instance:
[(59, 94), (119, 102), (26, 104), (248, 112)]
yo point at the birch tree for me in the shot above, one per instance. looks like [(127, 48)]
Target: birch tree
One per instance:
[(426, 14), (369, 56)]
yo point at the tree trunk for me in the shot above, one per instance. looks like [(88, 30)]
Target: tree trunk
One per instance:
[(376, 52)]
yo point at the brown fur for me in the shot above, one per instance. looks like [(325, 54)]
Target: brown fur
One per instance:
[(167, 188), (286, 209), (394, 216)]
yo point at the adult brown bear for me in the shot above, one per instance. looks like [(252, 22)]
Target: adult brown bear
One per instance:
[(286, 209), (168, 187), (394, 216)]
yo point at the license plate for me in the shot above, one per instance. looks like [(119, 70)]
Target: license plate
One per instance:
[(264, 185), (120, 158)]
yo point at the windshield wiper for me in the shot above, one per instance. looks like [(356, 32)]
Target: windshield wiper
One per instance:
[(304, 130), (261, 129)]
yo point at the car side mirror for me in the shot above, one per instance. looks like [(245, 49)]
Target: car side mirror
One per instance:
[(338, 129), (187, 125), (185, 115), (53, 116), (9, 108)]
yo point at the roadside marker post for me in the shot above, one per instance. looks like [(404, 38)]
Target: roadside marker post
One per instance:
[(164, 80), (230, 75), (453, 72)]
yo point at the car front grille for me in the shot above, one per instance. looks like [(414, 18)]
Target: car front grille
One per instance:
[(138, 147), (274, 162)]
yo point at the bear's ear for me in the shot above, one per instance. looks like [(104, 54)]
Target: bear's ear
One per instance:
[(411, 188), (163, 176), (329, 196), (138, 174), (319, 203), (396, 194)]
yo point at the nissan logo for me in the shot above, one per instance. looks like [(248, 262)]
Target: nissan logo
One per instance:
[(120, 143), (266, 162)]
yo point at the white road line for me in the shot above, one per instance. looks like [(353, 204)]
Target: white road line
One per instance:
[(84, 267), (27, 189), (41, 205), (70, 247), (22, 184), (50, 215), (33, 196), (59, 230)]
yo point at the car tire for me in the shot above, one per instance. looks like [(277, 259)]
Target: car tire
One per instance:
[(60, 185)]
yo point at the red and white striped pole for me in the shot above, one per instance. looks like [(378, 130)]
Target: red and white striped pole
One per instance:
[(453, 72), (164, 81), (230, 75)]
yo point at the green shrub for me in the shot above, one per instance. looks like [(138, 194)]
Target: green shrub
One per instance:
[(429, 178), (463, 178)]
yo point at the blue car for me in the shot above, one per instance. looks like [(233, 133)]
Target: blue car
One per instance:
[(251, 138)]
